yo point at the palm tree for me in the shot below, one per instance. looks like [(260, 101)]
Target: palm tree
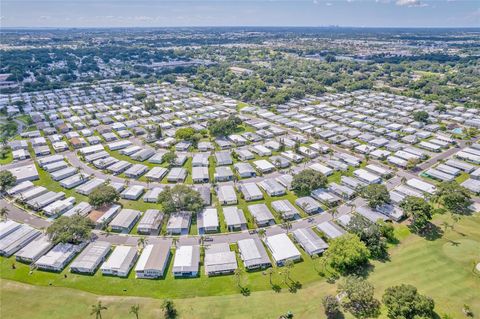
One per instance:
[(97, 310), (287, 225), (289, 264), (142, 242), (270, 272), (238, 277), (134, 310), (169, 308), (174, 242), (262, 232), (3, 213)]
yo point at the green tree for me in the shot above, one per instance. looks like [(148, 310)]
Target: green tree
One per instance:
[(135, 309), (170, 158), (347, 253), (308, 180), (149, 105), (117, 89), (103, 195), (376, 195), (371, 235), (169, 311), (180, 198), (97, 310), (184, 133), (73, 230), (158, 132), (419, 210), (331, 306), (3, 213), (454, 197), (420, 116), (359, 297), (224, 127), (404, 301), (7, 180)]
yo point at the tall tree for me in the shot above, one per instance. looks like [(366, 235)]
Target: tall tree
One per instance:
[(454, 197), (135, 310), (419, 210), (7, 180), (308, 180), (169, 311), (404, 301), (73, 230), (346, 253), (180, 198), (97, 310), (376, 195), (331, 306), (103, 195), (359, 297)]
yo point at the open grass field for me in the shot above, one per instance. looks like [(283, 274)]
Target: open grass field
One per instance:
[(441, 268)]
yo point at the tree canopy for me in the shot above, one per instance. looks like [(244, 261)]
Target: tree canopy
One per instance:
[(103, 195), (454, 197), (180, 198), (360, 299), (404, 301), (371, 235), (419, 210), (376, 195), (224, 127), (347, 253), (420, 116), (73, 230), (308, 180), (7, 179)]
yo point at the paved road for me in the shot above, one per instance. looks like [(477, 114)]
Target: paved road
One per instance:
[(19, 215)]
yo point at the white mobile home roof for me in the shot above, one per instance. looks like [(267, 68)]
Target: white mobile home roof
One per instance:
[(330, 229), (151, 220), (219, 259), (261, 213), (154, 257), (88, 187), (17, 239), (253, 252), (120, 260), (366, 176), (209, 218), (322, 169), (23, 186), (125, 218), (91, 257), (57, 257), (234, 216), (421, 185), (282, 248), (7, 227), (35, 249), (310, 241), (186, 259), (285, 208)]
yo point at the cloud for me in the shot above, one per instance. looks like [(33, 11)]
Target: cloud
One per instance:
[(410, 3)]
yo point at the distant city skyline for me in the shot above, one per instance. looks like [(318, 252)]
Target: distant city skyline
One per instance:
[(167, 13)]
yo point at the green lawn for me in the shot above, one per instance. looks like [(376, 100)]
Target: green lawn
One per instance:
[(8, 159), (441, 269)]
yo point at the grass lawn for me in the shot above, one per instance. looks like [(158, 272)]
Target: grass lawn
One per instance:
[(8, 158), (441, 269)]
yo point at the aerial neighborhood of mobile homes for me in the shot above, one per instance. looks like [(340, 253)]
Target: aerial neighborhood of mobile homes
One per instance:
[(83, 139)]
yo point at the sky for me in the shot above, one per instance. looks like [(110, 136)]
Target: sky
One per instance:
[(168, 13)]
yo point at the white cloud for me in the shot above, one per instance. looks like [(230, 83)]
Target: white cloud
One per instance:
[(410, 3), (328, 4)]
